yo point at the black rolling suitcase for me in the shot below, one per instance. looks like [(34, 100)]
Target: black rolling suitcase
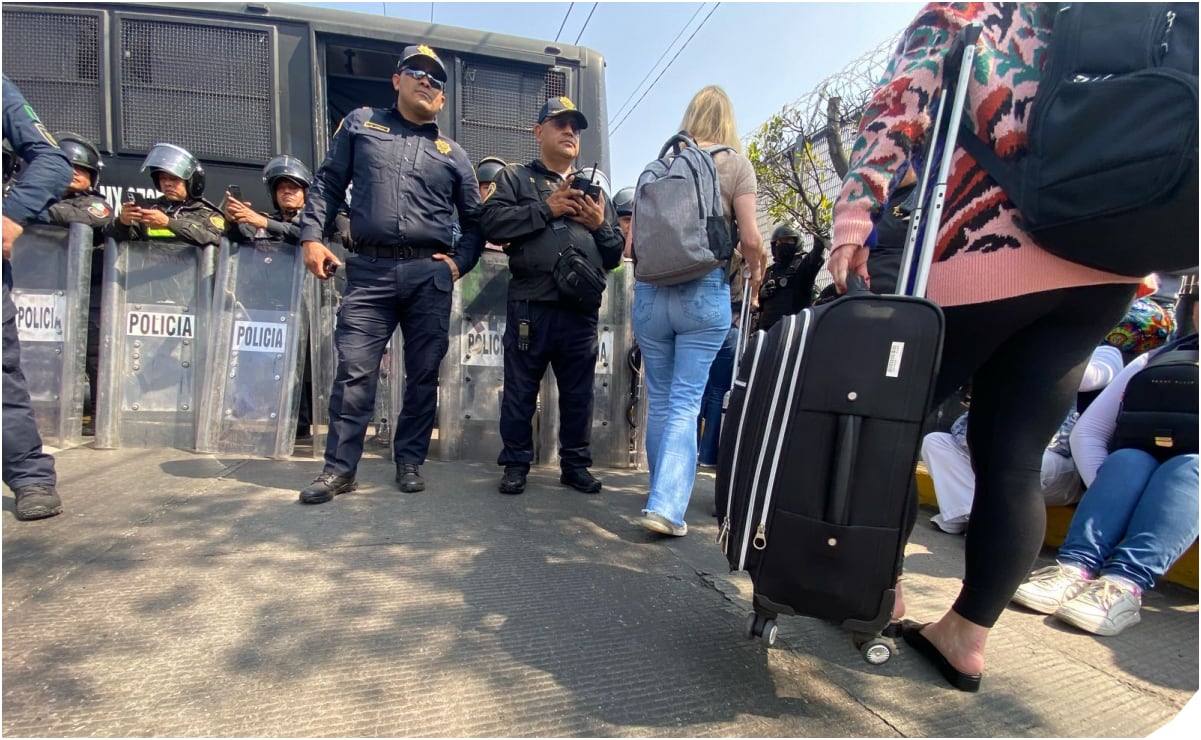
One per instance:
[(815, 477)]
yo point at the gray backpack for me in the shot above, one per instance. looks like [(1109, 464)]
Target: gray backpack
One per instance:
[(680, 231)]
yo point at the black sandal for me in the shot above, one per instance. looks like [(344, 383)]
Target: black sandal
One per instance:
[(911, 632)]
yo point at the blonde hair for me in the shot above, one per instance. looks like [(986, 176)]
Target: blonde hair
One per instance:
[(710, 117)]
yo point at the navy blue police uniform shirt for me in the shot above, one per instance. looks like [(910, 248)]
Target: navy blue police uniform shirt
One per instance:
[(47, 171), (408, 182)]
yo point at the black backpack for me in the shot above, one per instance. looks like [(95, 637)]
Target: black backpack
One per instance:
[(1159, 405), (1109, 179)]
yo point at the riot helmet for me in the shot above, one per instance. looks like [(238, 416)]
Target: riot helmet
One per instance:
[(489, 168), (623, 202), (285, 167), (781, 251), (176, 161), (82, 153)]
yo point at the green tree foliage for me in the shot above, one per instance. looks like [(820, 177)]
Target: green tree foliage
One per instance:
[(800, 153)]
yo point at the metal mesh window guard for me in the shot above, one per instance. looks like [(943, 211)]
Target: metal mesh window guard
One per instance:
[(55, 59), (499, 103), (205, 88)]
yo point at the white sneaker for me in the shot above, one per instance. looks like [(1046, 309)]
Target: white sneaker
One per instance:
[(1105, 606), (1048, 588), (951, 526), (661, 524)]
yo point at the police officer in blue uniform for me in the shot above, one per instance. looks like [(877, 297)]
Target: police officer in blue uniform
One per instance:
[(27, 470), (409, 181), (535, 211)]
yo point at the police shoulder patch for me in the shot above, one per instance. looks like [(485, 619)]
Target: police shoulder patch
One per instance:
[(217, 221), (99, 209), (443, 146), (41, 127)]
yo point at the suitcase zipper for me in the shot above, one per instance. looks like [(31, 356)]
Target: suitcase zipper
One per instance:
[(760, 541), (760, 538), (723, 536)]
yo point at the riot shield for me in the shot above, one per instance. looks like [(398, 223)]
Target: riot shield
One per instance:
[(615, 443), (323, 298), (471, 379), (154, 324), (255, 358), (52, 267)]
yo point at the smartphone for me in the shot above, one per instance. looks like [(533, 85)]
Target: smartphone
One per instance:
[(235, 191), (131, 198), (331, 268)]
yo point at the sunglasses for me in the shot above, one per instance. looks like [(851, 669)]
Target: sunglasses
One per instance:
[(421, 74)]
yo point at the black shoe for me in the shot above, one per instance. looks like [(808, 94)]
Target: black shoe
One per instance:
[(911, 632), (304, 433), (408, 479), (37, 502), (326, 486), (514, 481), (581, 480)]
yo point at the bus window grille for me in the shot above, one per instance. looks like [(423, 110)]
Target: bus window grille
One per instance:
[(203, 87), (499, 103), (54, 58)]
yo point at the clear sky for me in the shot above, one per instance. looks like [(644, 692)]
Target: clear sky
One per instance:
[(765, 55)]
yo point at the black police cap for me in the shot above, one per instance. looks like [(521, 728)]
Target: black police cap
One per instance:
[(420, 51), (561, 106)]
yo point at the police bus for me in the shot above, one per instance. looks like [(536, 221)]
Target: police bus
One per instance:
[(236, 84)]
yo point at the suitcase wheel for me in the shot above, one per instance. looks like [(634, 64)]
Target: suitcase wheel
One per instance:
[(764, 628), (875, 649)]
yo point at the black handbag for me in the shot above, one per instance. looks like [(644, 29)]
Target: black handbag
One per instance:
[(581, 283)]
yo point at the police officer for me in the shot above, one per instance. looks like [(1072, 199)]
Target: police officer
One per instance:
[(288, 180), (27, 470), (486, 172), (408, 182), (788, 283), (180, 213), (82, 203), (535, 209), (623, 204)]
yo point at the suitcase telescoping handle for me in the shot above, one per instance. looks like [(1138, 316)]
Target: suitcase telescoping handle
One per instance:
[(959, 58)]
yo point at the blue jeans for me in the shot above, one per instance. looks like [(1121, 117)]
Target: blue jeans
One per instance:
[(1136, 518), (679, 328), (721, 377)]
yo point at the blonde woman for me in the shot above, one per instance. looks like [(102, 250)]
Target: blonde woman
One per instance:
[(681, 327)]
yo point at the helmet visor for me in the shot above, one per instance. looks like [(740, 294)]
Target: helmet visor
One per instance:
[(172, 159)]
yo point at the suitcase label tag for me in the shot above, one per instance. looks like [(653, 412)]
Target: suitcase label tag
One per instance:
[(894, 360)]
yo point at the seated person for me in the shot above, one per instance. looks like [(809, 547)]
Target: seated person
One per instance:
[(180, 213), (1139, 512), (950, 466)]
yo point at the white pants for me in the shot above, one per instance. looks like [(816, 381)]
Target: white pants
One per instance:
[(955, 484)]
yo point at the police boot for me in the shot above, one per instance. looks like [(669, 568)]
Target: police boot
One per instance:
[(408, 479), (326, 486), (514, 481), (38, 501), (581, 480)]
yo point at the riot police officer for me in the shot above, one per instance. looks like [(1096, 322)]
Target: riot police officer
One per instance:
[(287, 180), (535, 209), (486, 172), (623, 205), (788, 283), (181, 212), (27, 470), (408, 182), (82, 203)]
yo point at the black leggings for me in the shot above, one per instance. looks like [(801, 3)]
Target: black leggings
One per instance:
[(1024, 357)]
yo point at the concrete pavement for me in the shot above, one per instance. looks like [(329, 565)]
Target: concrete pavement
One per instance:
[(191, 595)]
